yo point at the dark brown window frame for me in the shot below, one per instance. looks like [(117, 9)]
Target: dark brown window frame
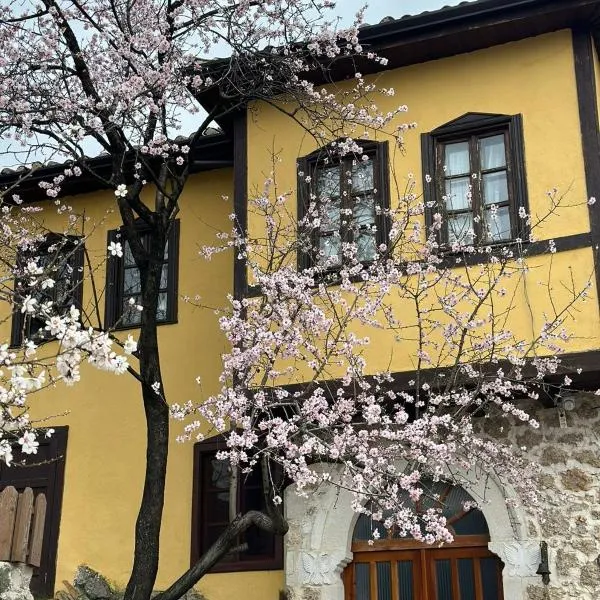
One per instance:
[(77, 262), (207, 448), (470, 127), (115, 280), (307, 166)]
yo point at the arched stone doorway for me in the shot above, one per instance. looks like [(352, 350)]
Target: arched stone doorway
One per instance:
[(394, 568), (318, 545)]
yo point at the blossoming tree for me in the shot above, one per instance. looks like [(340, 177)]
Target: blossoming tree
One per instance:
[(119, 77)]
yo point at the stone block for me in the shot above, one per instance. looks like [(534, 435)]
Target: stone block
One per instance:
[(14, 581)]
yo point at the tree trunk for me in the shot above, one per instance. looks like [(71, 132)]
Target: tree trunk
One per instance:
[(148, 524)]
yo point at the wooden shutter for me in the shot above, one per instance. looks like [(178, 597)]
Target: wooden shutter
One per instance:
[(45, 475)]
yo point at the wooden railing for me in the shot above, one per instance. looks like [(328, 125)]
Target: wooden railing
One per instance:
[(21, 526)]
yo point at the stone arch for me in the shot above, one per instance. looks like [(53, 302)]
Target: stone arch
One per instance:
[(317, 546)]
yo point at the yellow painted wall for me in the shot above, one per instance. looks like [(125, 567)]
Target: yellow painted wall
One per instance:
[(533, 77)]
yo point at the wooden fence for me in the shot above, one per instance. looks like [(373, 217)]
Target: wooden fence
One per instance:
[(21, 526)]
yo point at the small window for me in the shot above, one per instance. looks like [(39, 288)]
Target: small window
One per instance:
[(210, 513), (351, 197), (123, 285), (62, 259), (475, 178)]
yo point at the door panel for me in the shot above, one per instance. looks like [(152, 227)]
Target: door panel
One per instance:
[(469, 573)]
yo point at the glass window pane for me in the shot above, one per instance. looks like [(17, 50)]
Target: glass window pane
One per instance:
[(458, 193), (492, 152), (127, 255), (328, 182), (405, 580), (131, 281), (497, 224), (466, 579), (361, 584), (460, 228), (362, 176), (164, 277), (131, 316), (330, 250), (495, 188), (473, 523), (330, 215), (366, 248), (443, 578), (384, 581), (490, 568), (456, 158), (364, 210), (161, 309)]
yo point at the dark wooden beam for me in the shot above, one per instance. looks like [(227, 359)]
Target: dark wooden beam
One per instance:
[(240, 199)]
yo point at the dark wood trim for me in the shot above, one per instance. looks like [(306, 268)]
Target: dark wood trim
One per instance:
[(391, 544), (201, 449), (114, 280), (590, 141), (240, 199)]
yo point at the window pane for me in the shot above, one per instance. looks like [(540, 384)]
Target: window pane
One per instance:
[(497, 226), (384, 581), (366, 249), (328, 182), (443, 579), (131, 281), (330, 250), (456, 158), (489, 578), (131, 316), (161, 309), (466, 579), (361, 585), (405, 580), (473, 523), (218, 506), (330, 215), (458, 193), (362, 176), (492, 152), (460, 228), (364, 210), (127, 255), (164, 277), (495, 188)]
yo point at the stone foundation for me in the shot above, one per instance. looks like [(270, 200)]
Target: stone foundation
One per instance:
[(14, 581)]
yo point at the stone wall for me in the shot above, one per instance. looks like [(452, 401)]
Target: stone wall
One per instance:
[(570, 481), (14, 581)]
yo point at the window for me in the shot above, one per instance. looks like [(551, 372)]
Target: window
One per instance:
[(123, 285), (477, 176), (351, 196), (210, 513), (394, 568), (62, 260)]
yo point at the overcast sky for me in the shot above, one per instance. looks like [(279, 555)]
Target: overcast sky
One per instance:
[(394, 8)]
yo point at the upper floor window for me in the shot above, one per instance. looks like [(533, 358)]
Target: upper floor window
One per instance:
[(475, 178), (350, 195), (124, 287), (61, 259), (257, 549)]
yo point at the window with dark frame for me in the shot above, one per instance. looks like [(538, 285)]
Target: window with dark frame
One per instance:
[(62, 260), (352, 195), (210, 513), (475, 178), (123, 284)]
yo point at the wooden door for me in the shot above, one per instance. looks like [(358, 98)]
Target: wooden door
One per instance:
[(466, 573), (43, 473)]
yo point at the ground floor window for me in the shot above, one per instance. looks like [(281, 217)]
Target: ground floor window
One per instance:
[(396, 568)]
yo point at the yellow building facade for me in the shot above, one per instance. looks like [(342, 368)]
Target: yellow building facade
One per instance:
[(532, 60)]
